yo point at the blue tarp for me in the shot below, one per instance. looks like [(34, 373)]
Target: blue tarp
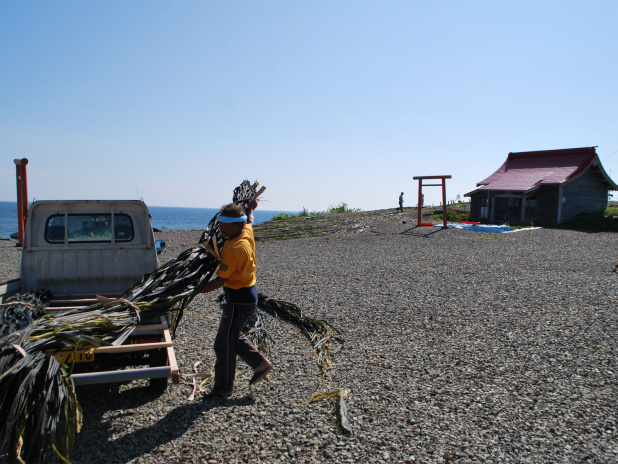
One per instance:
[(478, 227)]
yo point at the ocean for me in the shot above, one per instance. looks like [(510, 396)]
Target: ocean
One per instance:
[(163, 217)]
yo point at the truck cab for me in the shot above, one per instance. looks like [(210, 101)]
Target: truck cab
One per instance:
[(83, 248)]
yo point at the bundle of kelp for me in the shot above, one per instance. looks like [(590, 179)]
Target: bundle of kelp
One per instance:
[(37, 395), (21, 310)]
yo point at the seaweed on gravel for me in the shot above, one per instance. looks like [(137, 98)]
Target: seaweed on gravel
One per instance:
[(325, 339)]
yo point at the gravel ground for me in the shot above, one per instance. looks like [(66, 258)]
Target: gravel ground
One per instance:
[(460, 347)]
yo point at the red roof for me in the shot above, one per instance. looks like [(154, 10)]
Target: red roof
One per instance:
[(528, 170)]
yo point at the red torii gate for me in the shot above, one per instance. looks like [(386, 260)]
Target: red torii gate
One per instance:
[(420, 196)]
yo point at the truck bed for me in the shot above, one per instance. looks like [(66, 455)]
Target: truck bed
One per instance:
[(148, 353), (149, 345)]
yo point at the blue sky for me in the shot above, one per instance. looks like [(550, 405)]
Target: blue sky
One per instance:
[(322, 102)]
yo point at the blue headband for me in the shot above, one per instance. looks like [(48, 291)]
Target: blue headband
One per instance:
[(229, 220)]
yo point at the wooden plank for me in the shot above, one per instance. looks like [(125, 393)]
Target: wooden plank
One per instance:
[(258, 193), (67, 296), (133, 347), (62, 308), (74, 300), (432, 177), (171, 355), (141, 328)]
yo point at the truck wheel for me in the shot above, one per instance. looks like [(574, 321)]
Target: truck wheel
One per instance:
[(158, 385), (158, 358)]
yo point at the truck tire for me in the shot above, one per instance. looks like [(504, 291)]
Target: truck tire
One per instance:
[(158, 358), (158, 385)]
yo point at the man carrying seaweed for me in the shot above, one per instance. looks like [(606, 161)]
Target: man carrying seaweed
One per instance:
[(236, 275)]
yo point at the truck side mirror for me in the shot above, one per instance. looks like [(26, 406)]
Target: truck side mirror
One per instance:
[(160, 246)]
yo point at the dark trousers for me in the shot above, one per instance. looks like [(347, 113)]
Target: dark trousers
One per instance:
[(231, 342)]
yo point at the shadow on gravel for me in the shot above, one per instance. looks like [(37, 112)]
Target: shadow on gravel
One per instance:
[(421, 231), (98, 401)]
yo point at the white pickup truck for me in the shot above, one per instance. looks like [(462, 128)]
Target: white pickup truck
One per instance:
[(82, 249)]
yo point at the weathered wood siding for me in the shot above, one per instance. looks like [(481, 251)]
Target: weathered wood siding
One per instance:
[(547, 205), (585, 194), (500, 206), (475, 206)]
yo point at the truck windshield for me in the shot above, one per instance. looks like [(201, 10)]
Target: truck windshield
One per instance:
[(89, 228)]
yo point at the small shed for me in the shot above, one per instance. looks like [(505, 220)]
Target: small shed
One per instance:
[(546, 187)]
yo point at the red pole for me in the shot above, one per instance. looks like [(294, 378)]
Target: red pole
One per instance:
[(24, 192), (419, 204), (443, 203), (22, 199)]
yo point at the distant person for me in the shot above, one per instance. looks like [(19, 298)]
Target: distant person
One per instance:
[(236, 275), (400, 203)]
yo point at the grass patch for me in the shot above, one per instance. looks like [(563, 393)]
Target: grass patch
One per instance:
[(282, 216), (302, 213), (342, 208), (604, 220), (453, 216)]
